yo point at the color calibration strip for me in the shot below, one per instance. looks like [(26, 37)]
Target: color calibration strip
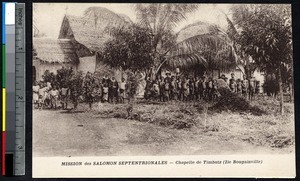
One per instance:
[(13, 80), (8, 88), (3, 146), (20, 89)]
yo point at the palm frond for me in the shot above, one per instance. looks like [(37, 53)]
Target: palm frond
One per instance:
[(161, 17), (186, 61), (202, 41)]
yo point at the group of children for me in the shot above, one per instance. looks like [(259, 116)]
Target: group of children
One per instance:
[(247, 87), (45, 94), (91, 89), (194, 89)]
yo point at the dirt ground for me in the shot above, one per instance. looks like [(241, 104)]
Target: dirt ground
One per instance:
[(60, 133)]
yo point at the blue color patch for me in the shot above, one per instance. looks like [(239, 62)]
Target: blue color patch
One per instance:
[(3, 23)]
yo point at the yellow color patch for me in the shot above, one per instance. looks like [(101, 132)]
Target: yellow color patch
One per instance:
[(3, 109)]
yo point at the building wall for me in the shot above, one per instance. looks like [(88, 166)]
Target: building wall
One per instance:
[(87, 64)]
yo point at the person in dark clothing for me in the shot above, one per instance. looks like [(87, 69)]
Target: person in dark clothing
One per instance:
[(113, 90), (209, 89), (192, 89), (88, 86), (105, 86), (168, 78), (161, 84), (166, 90), (215, 92), (203, 88), (155, 89), (105, 80), (148, 88)]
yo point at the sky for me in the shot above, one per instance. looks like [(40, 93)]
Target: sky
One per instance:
[(48, 16)]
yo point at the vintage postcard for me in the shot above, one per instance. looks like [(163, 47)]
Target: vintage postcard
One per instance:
[(162, 90)]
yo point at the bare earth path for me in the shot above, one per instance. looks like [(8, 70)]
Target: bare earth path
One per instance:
[(56, 133)]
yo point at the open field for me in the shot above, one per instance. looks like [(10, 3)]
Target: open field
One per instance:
[(162, 129)]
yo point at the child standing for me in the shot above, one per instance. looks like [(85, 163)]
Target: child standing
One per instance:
[(122, 90), (239, 86), (54, 94), (156, 90), (64, 92), (35, 93)]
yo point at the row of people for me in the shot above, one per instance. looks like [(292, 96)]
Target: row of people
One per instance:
[(184, 89), (246, 87), (188, 88), (162, 89), (89, 90)]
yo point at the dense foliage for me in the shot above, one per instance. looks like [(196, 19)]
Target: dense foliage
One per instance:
[(129, 49), (266, 34)]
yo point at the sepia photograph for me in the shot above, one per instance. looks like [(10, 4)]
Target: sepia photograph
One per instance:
[(152, 79)]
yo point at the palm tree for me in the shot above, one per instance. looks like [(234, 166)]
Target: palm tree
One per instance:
[(240, 14), (199, 45), (203, 45), (161, 19)]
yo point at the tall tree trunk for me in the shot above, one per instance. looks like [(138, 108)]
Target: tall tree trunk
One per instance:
[(280, 91)]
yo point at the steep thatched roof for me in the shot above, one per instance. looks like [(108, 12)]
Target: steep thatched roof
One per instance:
[(54, 50), (92, 30)]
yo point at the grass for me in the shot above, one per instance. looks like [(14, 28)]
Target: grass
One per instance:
[(268, 129)]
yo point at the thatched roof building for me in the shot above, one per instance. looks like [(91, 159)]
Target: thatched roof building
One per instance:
[(52, 54), (89, 34), (54, 51), (79, 40), (92, 30)]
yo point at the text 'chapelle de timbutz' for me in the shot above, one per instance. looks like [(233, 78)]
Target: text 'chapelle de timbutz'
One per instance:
[(99, 163)]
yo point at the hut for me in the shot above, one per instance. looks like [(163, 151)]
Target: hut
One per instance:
[(79, 42), (89, 34), (52, 54)]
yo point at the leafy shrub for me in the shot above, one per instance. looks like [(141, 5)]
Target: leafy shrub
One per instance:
[(49, 77), (235, 103)]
